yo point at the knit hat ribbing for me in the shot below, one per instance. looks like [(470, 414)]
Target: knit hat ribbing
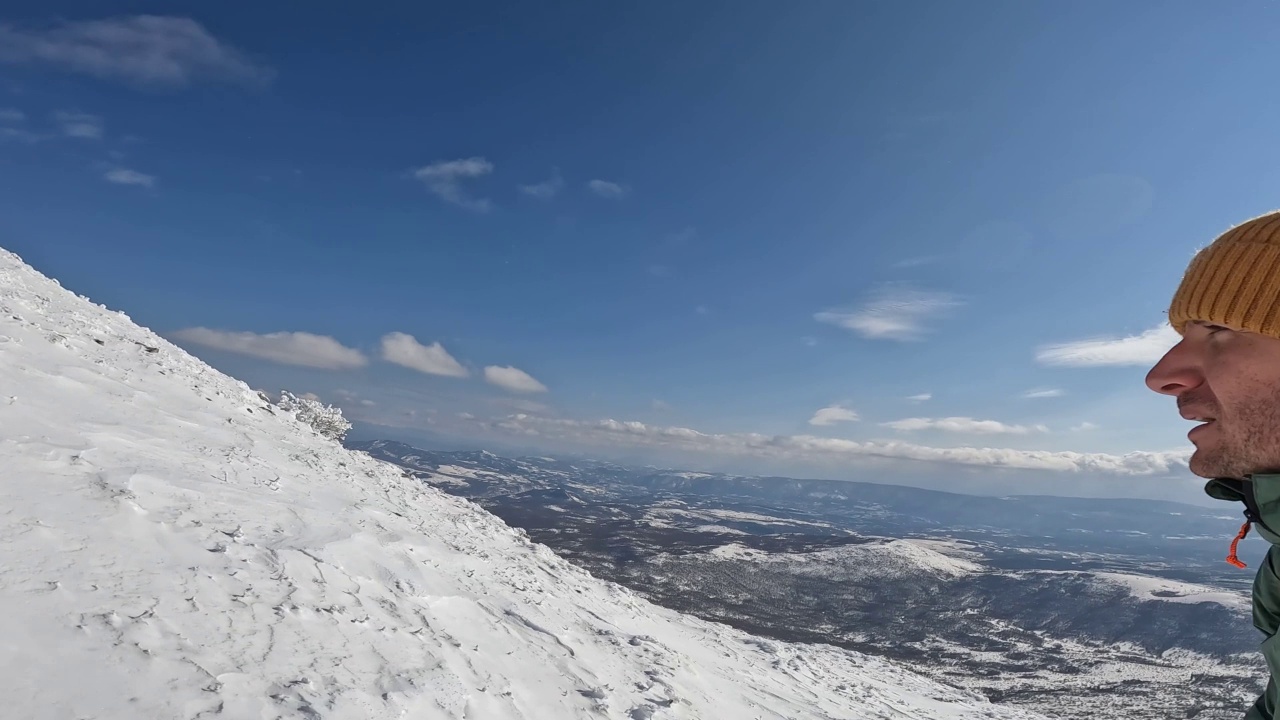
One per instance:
[(1235, 281)]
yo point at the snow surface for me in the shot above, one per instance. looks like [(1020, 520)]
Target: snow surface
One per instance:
[(881, 558), (655, 514), (1145, 587), (173, 549), (462, 472)]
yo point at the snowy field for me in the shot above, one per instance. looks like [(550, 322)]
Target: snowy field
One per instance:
[(863, 562), (174, 549)]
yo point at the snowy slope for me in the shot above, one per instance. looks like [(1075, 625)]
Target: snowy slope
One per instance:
[(172, 549)]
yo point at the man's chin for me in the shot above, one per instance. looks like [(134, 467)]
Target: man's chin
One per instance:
[(1210, 465), (1205, 466)]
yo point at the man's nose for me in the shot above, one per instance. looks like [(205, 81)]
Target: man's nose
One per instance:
[(1175, 373)]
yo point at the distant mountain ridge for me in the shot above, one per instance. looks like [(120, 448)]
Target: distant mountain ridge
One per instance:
[(1029, 514)]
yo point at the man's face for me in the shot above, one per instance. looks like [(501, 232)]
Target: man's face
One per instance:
[(1229, 380)]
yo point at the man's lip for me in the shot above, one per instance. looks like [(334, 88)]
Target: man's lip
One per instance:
[(1196, 417), (1197, 429)]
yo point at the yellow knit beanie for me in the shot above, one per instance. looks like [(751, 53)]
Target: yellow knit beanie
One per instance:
[(1235, 281)]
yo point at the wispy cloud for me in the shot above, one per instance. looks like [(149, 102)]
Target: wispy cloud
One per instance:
[(353, 399), (1043, 393), (287, 348), (1084, 427), (1144, 349), (917, 261), (9, 115), (922, 397), (144, 49), (607, 189), (20, 135), (444, 180), (404, 350), (807, 448), (513, 379), (546, 189), (893, 313), (124, 176), (682, 237), (963, 425), (832, 415), (79, 125)]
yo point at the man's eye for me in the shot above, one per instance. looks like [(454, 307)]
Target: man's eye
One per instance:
[(1214, 328)]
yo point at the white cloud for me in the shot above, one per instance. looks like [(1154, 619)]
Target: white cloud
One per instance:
[(546, 189), (1144, 349), (604, 188), (832, 415), (79, 125), (660, 406), (404, 350), (122, 176), (922, 397), (1084, 426), (962, 425), (9, 115), (144, 49), (1043, 393), (513, 379), (443, 179), (288, 348), (807, 448), (893, 313)]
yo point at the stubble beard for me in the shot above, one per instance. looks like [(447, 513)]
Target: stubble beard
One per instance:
[(1246, 442)]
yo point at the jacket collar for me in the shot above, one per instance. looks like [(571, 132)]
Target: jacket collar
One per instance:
[(1261, 497)]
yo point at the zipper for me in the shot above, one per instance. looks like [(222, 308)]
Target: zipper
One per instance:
[(1251, 512)]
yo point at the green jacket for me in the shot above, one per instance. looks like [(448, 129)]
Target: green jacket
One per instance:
[(1261, 497)]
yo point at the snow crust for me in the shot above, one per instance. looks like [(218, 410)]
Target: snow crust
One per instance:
[(173, 549)]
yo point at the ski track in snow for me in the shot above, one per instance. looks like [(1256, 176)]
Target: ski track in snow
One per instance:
[(173, 549)]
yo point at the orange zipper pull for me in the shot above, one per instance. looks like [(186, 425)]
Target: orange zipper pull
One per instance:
[(1232, 558)]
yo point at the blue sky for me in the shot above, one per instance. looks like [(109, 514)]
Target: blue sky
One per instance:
[(838, 239)]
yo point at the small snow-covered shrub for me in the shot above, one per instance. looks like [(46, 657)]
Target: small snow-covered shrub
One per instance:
[(326, 419)]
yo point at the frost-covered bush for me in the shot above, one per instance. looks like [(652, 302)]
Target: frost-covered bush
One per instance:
[(326, 419)]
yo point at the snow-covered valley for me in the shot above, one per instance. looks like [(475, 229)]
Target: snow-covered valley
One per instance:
[(1074, 608), (175, 548)]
